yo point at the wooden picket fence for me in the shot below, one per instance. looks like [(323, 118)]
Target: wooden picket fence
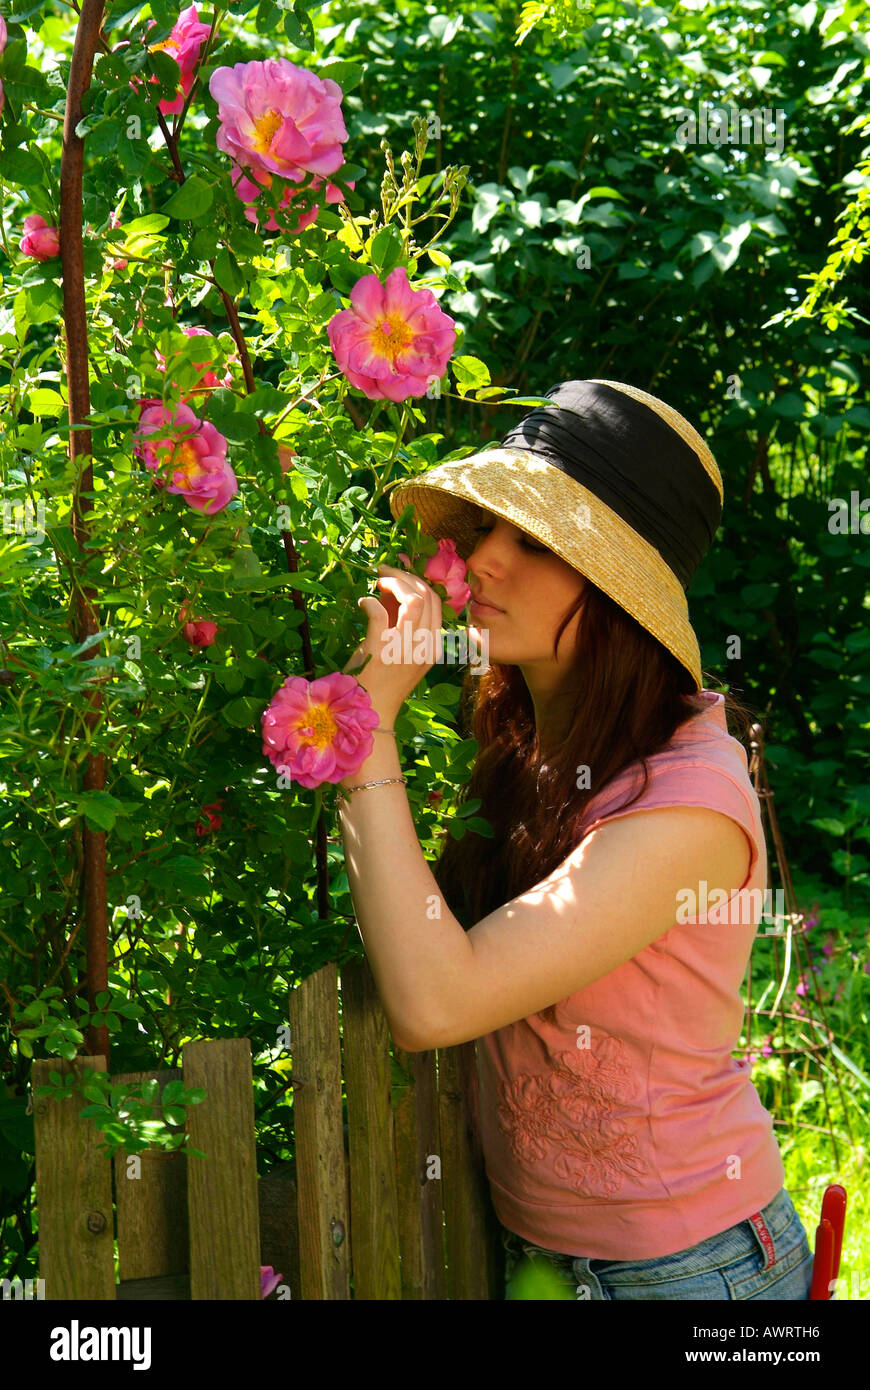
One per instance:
[(399, 1207)]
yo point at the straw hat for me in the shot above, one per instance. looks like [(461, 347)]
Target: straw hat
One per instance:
[(611, 479)]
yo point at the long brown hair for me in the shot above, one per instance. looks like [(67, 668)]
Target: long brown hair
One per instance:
[(632, 695)]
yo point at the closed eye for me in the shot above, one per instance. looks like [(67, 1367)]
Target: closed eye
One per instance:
[(524, 541)]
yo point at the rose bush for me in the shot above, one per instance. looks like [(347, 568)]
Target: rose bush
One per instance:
[(233, 499)]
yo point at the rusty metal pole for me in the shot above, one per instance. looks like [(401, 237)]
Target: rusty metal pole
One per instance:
[(84, 613)]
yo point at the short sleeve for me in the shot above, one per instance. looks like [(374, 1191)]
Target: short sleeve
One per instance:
[(690, 782)]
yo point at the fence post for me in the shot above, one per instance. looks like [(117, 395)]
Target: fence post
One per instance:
[(74, 1192), (418, 1175), (373, 1201), (151, 1198), (475, 1262), (321, 1162), (223, 1209)]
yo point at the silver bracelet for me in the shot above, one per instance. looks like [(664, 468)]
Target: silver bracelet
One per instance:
[(361, 786), (384, 780)]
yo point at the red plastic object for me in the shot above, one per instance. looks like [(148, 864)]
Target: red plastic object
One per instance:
[(829, 1241)]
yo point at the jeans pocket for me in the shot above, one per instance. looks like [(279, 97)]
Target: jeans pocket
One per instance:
[(789, 1276)]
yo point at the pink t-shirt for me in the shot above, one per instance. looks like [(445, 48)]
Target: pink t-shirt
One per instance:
[(626, 1130)]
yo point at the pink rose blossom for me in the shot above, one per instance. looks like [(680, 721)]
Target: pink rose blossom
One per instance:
[(209, 379), (40, 239), (192, 451), (446, 567), (801, 985), (269, 1280), (277, 118), (197, 631), (319, 731), (3, 33), (185, 46), (393, 341)]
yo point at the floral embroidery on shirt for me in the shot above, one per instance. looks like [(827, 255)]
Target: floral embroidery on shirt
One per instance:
[(573, 1109)]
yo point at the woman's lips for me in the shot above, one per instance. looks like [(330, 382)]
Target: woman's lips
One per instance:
[(483, 610)]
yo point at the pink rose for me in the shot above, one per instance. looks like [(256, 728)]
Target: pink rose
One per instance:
[(277, 118), (40, 239), (446, 567), (197, 631), (191, 450), (209, 379), (319, 731), (393, 341), (185, 46), (3, 33)]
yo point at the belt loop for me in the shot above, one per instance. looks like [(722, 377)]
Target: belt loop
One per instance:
[(765, 1239)]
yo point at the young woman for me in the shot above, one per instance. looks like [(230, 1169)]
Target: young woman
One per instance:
[(596, 945)]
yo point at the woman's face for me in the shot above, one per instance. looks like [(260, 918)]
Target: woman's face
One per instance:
[(531, 587)]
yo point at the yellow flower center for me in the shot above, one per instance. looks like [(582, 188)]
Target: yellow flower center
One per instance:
[(392, 334), (167, 43), (266, 127), (320, 728), (185, 462)]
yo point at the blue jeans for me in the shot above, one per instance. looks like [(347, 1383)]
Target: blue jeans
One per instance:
[(768, 1258)]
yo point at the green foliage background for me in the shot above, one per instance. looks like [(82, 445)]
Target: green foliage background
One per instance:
[(587, 242)]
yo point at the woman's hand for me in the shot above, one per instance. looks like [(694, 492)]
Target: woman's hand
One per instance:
[(403, 638)]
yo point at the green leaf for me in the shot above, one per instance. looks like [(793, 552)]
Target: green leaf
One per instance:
[(830, 825), (101, 808), (20, 166), (386, 251), (227, 272), (242, 712), (790, 406), (347, 75), (192, 199), (142, 226), (469, 373)]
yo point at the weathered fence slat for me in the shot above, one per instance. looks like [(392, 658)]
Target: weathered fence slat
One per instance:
[(223, 1211), (151, 1201), (418, 1176), (374, 1216), (474, 1269), (323, 1204), (74, 1193)]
